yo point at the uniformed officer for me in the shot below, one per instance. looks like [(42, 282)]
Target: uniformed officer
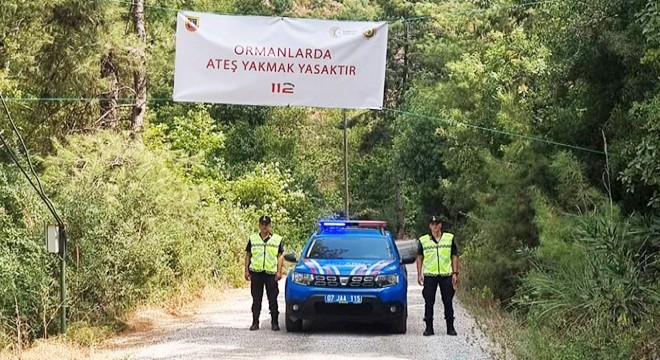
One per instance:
[(263, 267), (437, 265)]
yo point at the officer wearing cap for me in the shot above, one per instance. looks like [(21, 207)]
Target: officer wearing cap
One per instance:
[(263, 268), (437, 266)]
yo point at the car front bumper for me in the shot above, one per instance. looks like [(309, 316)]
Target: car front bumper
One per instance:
[(372, 309)]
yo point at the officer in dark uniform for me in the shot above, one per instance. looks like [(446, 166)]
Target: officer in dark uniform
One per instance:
[(437, 266), (263, 268)]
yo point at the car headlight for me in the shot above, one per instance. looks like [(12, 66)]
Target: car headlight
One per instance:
[(387, 280), (302, 279)]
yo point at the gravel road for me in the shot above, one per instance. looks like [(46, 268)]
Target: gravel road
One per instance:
[(220, 331)]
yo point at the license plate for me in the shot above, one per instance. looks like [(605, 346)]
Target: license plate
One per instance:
[(343, 299)]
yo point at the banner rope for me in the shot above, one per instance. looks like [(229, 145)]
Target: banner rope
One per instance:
[(402, 112), (499, 132), (417, 18)]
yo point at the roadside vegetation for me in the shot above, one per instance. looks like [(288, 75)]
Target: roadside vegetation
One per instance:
[(533, 126)]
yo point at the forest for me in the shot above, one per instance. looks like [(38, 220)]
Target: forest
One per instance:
[(533, 126)]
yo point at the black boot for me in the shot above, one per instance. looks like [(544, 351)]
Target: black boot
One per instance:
[(450, 328), (274, 324), (255, 323), (429, 328)]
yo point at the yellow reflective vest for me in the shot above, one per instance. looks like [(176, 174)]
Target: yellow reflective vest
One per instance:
[(437, 256), (264, 253)]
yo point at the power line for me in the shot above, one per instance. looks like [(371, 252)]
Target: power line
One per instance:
[(49, 205), (447, 121), (145, 5), (20, 138), (499, 132), (454, 122), (77, 99), (15, 159), (417, 18)]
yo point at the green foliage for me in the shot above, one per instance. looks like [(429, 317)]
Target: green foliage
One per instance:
[(27, 285), (519, 203), (504, 222), (269, 190), (644, 167), (537, 342), (374, 179), (171, 213), (85, 334), (424, 168), (141, 230), (192, 132), (609, 286)]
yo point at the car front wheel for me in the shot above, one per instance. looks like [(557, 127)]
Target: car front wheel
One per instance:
[(292, 325), (400, 326)]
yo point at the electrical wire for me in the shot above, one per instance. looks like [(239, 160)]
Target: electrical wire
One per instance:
[(453, 122), (77, 99), (14, 158), (473, 11), (16, 161), (20, 138), (499, 132), (446, 121)]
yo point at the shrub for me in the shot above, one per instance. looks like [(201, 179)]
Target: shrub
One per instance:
[(27, 272), (604, 296), (138, 227)]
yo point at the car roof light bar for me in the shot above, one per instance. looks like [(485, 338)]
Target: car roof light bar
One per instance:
[(372, 223), (332, 223), (336, 224)]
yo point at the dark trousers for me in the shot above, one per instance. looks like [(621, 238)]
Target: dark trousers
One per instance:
[(257, 284), (431, 284)]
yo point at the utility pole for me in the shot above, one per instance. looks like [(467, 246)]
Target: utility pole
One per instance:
[(62, 255), (49, 204), (140, 72), (346, 202)]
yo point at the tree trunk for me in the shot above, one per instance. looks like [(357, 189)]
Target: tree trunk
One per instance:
[(108, 115), (140, 74), (400, 220), (400, 103)]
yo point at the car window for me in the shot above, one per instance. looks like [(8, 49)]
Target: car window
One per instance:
[(359, 248)]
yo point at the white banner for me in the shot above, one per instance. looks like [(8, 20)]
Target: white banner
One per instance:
[(254, 60)]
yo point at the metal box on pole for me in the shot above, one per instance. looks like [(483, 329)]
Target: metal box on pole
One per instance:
[(52, 238)]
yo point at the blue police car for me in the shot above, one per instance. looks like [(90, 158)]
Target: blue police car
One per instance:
[(348, 271)]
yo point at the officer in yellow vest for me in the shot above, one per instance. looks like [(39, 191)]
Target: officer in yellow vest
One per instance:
[(437, 265), (263, 267)]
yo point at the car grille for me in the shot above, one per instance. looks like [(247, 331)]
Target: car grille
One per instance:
[(344, 281)]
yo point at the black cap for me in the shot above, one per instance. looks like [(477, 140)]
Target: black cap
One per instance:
[(436, 219), (264, 219)]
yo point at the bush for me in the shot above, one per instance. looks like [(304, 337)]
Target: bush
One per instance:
[(501, 232), (604, 299), (138, 228), (85, 334), (28, 288), (270, 190), (142, 228)]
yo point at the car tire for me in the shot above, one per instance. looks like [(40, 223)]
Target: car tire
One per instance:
[(292, 325), (400, 326)]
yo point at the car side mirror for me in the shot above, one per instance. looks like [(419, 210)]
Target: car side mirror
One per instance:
[(408, 259), (290, 257)]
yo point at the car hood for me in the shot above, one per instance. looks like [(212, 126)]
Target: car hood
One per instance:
[(346, 267)]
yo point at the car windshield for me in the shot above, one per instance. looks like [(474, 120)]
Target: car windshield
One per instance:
[(359, 248)]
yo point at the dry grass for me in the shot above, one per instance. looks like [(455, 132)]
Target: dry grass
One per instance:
[(500, 327), (50, 349), (142, 326)]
